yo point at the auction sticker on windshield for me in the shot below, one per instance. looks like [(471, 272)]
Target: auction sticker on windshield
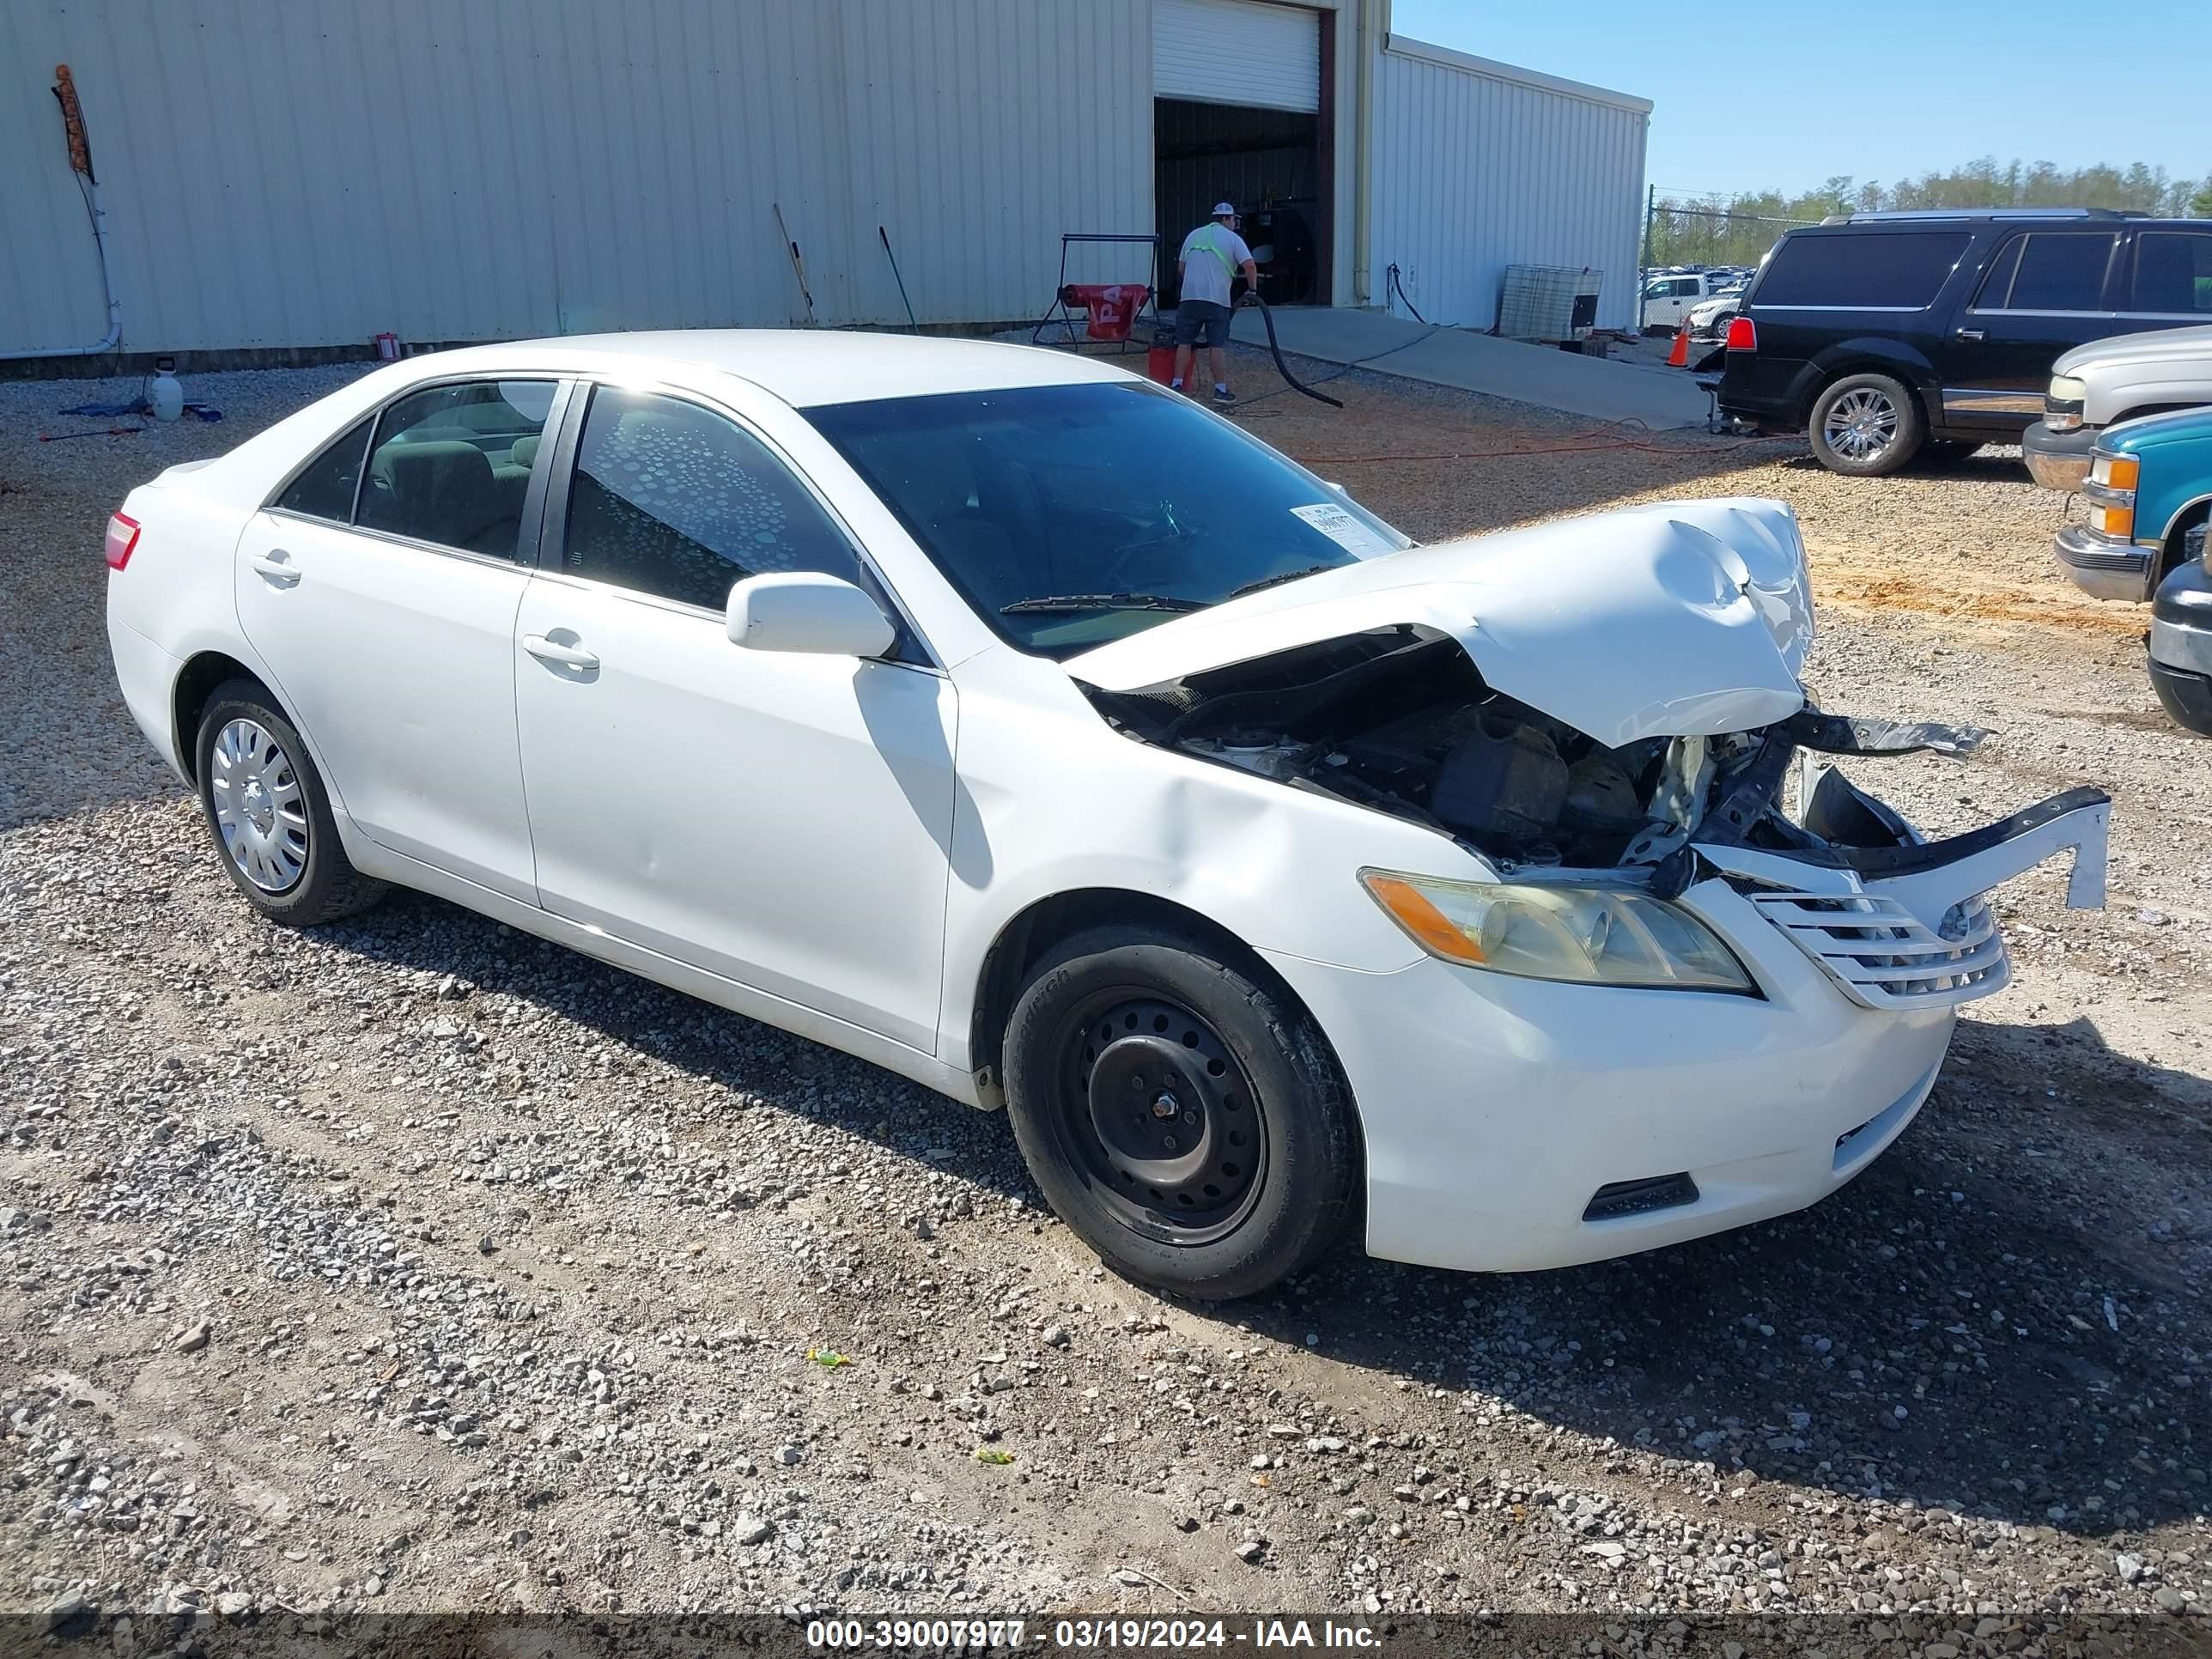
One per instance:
[(1341, 527)]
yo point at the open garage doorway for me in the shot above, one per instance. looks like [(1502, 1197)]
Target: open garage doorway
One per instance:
[(1267, 161), (1243, 113)]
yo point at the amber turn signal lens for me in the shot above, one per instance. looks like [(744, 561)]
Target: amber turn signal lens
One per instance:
[(1412, 911)]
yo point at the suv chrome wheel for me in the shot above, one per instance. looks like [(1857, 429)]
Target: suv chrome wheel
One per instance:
[(1861, 424), (258, 807)]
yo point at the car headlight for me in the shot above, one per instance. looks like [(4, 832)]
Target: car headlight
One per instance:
[(1581, 935), (2063, 402)]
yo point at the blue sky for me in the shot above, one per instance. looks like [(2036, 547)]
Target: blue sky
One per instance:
[(1742, 100)]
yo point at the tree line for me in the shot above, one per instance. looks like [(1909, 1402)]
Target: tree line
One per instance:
[(1719, 229)]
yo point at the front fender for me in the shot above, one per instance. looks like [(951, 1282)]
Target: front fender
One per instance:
[(1053, 800)]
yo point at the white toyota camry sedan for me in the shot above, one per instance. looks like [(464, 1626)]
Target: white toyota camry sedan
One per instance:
[(1011, 722)]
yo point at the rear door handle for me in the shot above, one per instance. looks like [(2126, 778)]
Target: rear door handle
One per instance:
[(1972, 333), (567, 656), (277, 565)]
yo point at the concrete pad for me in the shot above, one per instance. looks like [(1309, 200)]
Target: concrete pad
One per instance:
[(1542, 375)]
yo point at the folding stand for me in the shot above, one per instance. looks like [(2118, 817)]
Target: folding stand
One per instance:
[(1111, 308)]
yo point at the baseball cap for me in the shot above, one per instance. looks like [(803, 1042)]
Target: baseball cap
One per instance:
[(1222, 208)]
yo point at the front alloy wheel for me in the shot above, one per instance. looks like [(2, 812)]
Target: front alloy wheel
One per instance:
[(1182, 1112)]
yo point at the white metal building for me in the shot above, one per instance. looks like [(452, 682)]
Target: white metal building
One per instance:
[(283, 174)]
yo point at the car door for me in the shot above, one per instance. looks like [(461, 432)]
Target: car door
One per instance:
[(2045, 290), (782, 820), (379, 587)]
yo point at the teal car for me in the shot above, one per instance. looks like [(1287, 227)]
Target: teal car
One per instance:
[(2149, 485)]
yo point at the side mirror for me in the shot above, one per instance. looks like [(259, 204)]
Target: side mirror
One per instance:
[(805, 611)]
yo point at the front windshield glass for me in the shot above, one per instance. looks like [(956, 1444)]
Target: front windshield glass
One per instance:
[(1071, 515)]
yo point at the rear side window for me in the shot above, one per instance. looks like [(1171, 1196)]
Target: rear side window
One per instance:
[(2173, 272), (674, 499), (2052, 271), (451, 464), (1888, 270), (325, 488)]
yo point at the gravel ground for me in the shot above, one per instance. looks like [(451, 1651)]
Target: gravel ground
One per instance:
[(414, 1263)]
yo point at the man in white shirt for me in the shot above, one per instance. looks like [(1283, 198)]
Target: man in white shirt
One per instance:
[(1211, 256)]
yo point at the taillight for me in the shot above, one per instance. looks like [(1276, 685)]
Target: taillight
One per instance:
[(1743, 335), (122, 538)]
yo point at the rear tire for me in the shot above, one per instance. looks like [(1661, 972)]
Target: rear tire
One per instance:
[(1865, 426), (1183, 1117), (268, 814)]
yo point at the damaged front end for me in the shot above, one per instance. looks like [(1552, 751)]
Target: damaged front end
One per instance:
[(1401, 720)]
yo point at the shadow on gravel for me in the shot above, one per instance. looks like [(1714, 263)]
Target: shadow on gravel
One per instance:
[(1983, 465), (1991, 1320), (416, 931)]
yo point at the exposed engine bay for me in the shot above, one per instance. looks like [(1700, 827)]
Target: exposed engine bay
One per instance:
[(1401, 720)]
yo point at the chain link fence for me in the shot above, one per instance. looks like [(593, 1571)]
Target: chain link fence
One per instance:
[(1678, 232)]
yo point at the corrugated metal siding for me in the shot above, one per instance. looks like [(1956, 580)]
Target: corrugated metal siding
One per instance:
[(288, 173), (1476, 171), (1236, 51)]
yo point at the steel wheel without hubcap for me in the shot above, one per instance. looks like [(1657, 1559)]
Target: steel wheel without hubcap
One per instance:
[(1860, 424), (1158, 1115), (258, 808)]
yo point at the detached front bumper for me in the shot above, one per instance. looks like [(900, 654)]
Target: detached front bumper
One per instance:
[(2057, 460), (1515, 1124), (2102, 568)]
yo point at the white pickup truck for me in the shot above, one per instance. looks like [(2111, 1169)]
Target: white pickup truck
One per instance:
[(1668, 296), (2106, 381)]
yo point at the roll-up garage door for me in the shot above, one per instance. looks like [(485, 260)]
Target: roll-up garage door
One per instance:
[(1236, 51)]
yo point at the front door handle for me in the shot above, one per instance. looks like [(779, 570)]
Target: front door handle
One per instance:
[(277, 565), (1972, 333), (567, 656)]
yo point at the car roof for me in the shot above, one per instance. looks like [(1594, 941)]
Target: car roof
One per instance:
[(806, 367)]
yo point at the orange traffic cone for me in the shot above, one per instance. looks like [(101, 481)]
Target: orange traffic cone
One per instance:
[(1679, 356)]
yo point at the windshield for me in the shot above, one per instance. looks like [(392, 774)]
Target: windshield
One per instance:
[(1070, 515)]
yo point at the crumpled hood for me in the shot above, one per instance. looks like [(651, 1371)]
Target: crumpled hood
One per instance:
[(2150, 346), (1679, 619)]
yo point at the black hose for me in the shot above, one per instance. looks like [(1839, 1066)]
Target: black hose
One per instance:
[(1397, 286), (1273, 345)]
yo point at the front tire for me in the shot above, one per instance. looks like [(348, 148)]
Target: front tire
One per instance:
[(1182, 1116), (1865, 426), (268, 814)]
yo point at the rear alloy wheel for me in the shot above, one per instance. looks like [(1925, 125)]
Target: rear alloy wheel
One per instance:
[(1182, 1117), (266, 807), (1865, 426)]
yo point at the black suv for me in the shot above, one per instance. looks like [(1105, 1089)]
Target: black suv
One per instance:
[(1877, 333)]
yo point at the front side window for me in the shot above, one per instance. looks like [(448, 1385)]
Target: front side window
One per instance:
[(1069, 515), (1878, 270), (2054, 270), (325, 487), (673, 500), (2173, 272), (451, 464)]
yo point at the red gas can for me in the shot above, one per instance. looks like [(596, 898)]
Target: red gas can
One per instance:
[(1159, 361)]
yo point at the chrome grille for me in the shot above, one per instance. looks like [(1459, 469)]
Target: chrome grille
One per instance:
[(1884, 956)]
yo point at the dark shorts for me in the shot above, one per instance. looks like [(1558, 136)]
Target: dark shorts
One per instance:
[(1201, 322)]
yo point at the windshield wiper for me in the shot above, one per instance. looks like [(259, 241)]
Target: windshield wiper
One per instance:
[(1277, 581), (1102, 602)]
